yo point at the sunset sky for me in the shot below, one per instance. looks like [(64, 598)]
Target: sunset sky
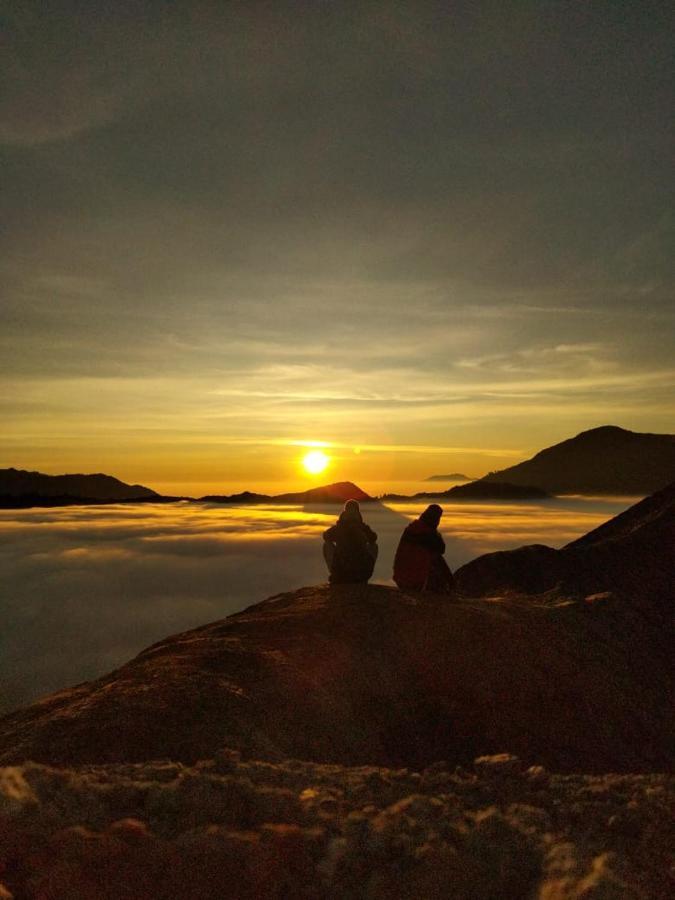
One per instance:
[(432, 237)]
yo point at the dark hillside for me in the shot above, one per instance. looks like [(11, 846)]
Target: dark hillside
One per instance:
[(18, 483), (605, 460), (632, 555)]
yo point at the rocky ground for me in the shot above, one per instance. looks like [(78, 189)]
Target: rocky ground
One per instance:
[(370, 675), (230, 828)]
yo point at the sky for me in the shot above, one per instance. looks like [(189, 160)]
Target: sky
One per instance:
[(93, 586), (434, 237)]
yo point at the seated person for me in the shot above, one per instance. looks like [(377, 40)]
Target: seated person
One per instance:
[(419, 563), (350, 547)]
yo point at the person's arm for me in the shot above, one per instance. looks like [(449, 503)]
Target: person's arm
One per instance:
[(330, 534), (431, 541), (371, 536)]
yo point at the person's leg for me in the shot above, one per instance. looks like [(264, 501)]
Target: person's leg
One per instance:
[(329, 554), (446, 577), (440, 579)]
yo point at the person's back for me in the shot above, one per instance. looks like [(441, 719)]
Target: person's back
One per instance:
[(419, 563), (350, 547)]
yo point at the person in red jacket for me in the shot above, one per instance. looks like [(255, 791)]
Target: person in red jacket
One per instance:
[(419, 563)]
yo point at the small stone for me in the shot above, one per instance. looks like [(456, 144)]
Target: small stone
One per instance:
[(499, 765), (600, 597), (437, 768), (227, 760), (130, 830), (537, 775), (15, 792)]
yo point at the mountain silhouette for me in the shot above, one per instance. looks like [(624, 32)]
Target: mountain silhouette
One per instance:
[(573, 679), (339, 492), (456, 476), (19, 487), (605, 460), (478, 490)]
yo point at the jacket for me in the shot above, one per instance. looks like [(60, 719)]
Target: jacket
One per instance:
[(352, 562), (420, 546)]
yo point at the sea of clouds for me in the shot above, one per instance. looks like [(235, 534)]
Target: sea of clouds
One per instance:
[(85, 588)]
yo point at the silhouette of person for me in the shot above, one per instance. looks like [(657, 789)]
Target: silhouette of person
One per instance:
[(419, 563), (350, 547)]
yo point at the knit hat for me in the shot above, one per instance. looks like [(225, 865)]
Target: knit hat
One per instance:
[(432, 515), (351, 512)]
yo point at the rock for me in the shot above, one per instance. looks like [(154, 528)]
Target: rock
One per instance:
[(322, 674), (537, 775), (15, 792), (501, 765), (631, 556)]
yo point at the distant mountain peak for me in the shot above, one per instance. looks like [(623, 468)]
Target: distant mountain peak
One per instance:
[(604, 432), (454, 476), (606, 429), (337, 492)]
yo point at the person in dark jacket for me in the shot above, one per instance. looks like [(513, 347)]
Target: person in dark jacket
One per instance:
[(350, 547), (419, 563)]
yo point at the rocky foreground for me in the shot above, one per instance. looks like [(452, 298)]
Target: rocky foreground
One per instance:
[(228, 828), (370, 675)]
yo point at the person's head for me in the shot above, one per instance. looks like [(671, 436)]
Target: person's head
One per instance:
[(432, 515), (351, 512)]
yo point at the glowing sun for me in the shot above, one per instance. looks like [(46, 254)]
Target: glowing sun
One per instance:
[(315, 462)]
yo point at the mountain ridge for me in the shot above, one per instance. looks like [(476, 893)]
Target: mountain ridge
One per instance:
[(477, 490), (18, 483), (603, 460), (456, 476), (337, 492)]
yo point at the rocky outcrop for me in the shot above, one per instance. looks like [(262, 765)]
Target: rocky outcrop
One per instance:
[(355, 675), (632, 555), (605, 460), (247, 830)]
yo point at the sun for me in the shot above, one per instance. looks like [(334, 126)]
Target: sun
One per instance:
[(315, 462)]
